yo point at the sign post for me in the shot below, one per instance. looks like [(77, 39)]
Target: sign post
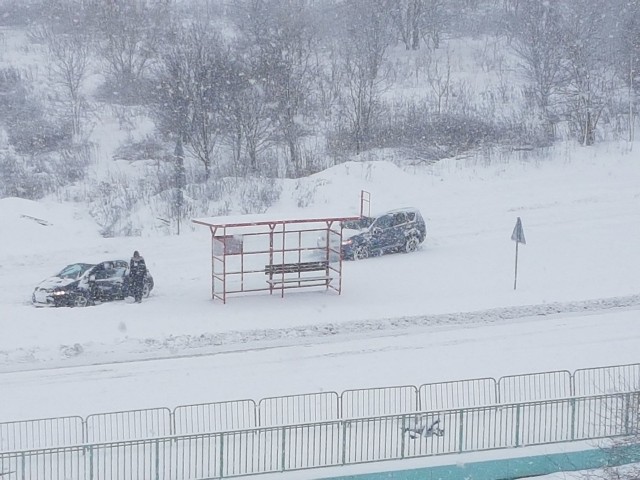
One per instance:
[(518, 237)]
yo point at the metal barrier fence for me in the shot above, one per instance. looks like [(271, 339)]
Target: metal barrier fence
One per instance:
[(368, 402), (330, 443), (313, 407), (458, 394), (310, 407), (209, 417), (535, 386), (44, 432)]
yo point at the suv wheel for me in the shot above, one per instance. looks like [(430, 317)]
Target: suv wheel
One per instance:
[(411, 245), (360, 252), (146, 289), (81, 300)]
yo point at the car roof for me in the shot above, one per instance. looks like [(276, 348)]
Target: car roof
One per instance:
[(396, 210)]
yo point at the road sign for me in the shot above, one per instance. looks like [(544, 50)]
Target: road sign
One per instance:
[(518, 237), (518, 233)]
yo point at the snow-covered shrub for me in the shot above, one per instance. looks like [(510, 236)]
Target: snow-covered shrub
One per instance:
[(149, 148), (29, 128), (24, 177), (257, 194)]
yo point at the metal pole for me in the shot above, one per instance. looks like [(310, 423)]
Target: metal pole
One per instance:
[(515, 279)]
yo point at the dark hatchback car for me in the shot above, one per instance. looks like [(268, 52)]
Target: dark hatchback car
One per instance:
[(401, 230), (82, 284)]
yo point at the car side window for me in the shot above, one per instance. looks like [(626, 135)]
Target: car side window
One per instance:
[(384, 222), (399, 219), (100, 272), (120, 269)]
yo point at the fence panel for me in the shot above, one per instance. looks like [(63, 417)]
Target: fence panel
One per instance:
[(128, 425), (534, 386), (312, 445), (604, 380), (252, 451), (369, 402), (545, 422), (305, 408), (40, 433), (606, 415), (214, 417), (458, 394), (52, 464)]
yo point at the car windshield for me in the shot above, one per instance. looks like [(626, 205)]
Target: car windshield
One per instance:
[(74, 271), (364, 222)]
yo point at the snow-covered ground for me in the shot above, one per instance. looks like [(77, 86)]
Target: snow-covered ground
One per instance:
[(448, 311)]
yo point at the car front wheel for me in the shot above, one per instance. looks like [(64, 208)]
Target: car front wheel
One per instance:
[(360, 252), (411, 245), (81, 300)]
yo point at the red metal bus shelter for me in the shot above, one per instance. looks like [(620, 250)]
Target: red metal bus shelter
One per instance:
[(268, 253)]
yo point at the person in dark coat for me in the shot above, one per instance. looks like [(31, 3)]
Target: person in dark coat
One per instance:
[(137, 272)]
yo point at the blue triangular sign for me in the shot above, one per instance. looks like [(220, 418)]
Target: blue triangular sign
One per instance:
[(518, 233)]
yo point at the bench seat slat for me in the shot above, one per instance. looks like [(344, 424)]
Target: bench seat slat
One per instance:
[(275, 281)]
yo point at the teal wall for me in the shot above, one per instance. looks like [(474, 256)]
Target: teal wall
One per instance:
[(511, 468)]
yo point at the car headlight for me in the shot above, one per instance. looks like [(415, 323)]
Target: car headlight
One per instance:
[(349, 241), (59, 293)]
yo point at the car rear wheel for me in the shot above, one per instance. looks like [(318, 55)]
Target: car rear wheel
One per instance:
[(360, 252), (411, 245), (81, 300)]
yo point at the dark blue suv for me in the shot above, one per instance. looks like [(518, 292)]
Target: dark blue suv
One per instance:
[(401, 230)]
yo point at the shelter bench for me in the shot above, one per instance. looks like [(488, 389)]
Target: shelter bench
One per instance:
[(283, 269)]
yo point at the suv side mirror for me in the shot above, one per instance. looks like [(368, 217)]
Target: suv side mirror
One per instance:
[(377, 231)]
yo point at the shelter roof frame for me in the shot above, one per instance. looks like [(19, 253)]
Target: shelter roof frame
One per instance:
[(295, 252)]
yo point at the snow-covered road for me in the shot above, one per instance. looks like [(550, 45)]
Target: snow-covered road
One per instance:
[(391, 356)]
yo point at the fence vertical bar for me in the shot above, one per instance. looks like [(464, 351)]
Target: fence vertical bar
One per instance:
[(157, 459), (627, 407), (517, 439), (283, 445), (90, 463), (461, 432), (404, 429), (221, 455), (573, 418), (344, 442)]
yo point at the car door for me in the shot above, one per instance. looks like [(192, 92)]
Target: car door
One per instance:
[(398, 231), (109, 278), (381, 233)]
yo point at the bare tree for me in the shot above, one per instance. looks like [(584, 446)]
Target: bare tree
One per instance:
[(133, 31), (368, 35), (70, 59), (627, 59), (590, 78), (439, 78), (536, 29), (194, 80), (252, 112), (418, 20), (280, 35)]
